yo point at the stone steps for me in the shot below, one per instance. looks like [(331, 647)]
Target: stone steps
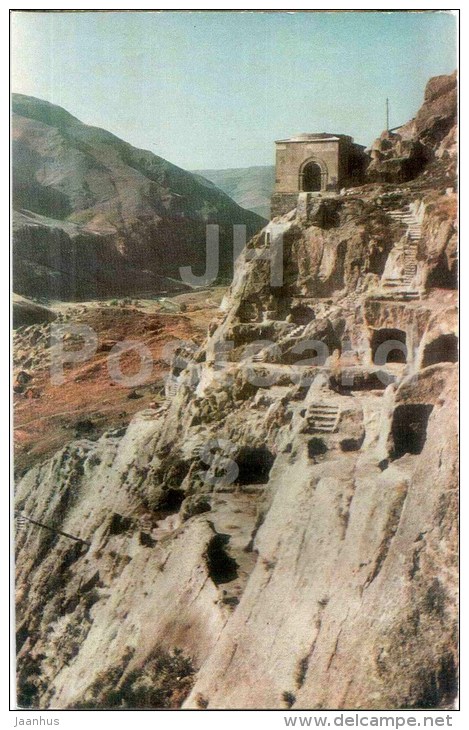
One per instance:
[(323, 418), (407, 218), (404, 293), (21, 522), (400, 285), (296, 331), (260, 356), (171, 389), (293, 333), (393, 281)]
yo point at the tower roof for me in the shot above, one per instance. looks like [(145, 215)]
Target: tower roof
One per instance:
[(315, 137)]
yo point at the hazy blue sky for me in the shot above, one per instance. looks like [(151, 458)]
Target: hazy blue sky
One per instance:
[(215, 89)]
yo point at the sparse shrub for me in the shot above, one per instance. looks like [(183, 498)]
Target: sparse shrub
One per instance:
[(163, 681), (201, 701), (301, 670), (289, 699)]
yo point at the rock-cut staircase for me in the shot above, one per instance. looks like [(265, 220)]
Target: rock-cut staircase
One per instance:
[(410, 220), (21, 522), (171, 388), (298, 330), (401, 286), (323, 418)]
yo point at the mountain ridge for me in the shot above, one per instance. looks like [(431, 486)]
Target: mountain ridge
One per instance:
[(130, 208), (251, 187)]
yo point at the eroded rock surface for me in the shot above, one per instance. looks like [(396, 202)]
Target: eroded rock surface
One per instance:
[(286, 523), (428, 140)]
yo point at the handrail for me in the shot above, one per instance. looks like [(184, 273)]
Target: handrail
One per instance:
[(21, 516)]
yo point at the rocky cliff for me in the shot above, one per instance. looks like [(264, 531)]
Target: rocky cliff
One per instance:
[(282, 532), (95, 216), (428, 141)]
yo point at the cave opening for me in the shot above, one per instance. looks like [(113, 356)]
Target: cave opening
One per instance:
[(119, 524), (171, 500), (378, 256), (301, 314), (316, 447), (352, 444), (254, 465), (415, 164), (443, 349), (388, 345), (357, 379), (222, 568), (443, 275), (409, 429), (438, 687)]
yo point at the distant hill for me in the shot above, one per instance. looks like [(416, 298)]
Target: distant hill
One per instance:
[(94, 216), (250, 187)]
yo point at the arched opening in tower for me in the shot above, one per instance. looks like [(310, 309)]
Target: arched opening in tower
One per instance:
[(311, 178)]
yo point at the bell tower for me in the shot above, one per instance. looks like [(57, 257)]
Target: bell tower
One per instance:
[(318, 163)]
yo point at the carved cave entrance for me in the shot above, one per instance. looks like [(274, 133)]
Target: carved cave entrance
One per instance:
[(443, 349), (388, 345), (254, 465), (409, 429)]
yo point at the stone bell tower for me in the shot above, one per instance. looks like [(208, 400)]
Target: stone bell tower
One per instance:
[(319, 163)]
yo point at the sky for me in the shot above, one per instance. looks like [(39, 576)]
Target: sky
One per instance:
[(215, 89)]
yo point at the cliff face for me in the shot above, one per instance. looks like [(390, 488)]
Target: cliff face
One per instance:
[(286, 524), (95, 216), (427, 141)]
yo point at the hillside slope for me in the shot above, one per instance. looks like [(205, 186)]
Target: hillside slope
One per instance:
[(285, 524), (250, 187), (95, 216)]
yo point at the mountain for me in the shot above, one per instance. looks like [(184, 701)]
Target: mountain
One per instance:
[(250, 187), (94, 216), (282, 532)]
